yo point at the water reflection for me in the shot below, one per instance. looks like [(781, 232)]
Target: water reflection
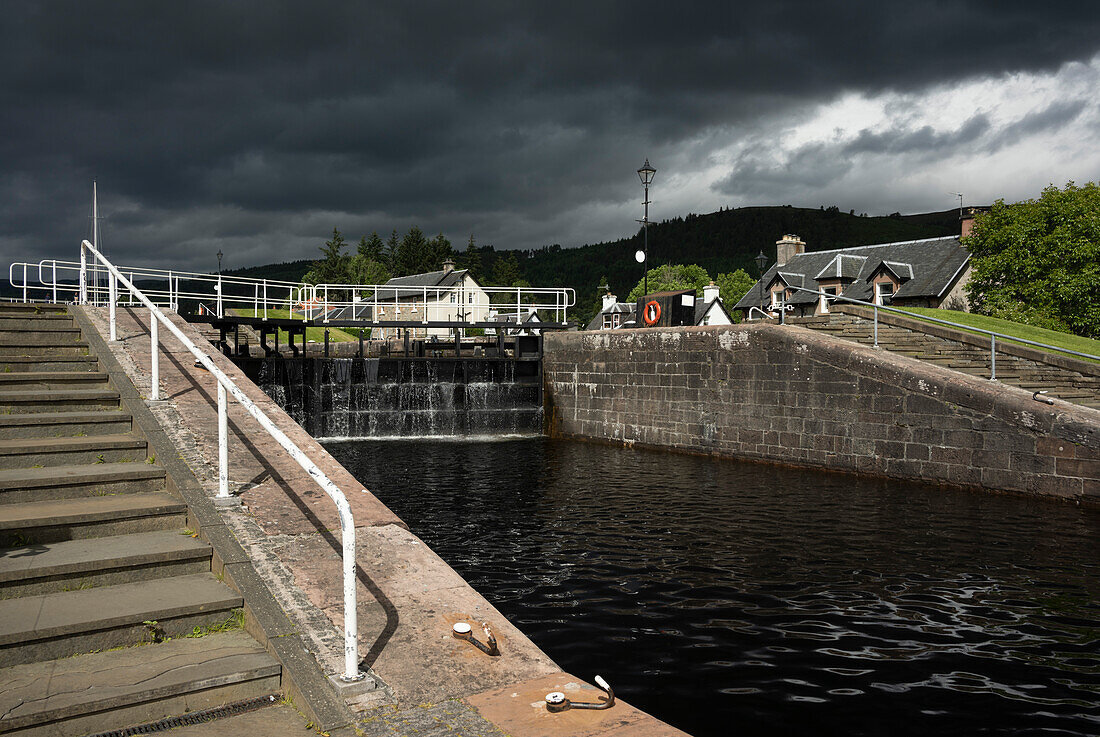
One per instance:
[(735, 598)]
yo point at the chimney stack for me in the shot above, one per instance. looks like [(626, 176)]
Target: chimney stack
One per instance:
[(609, 300), (448, 266), (710, 293), (787, 248), (966, 222)]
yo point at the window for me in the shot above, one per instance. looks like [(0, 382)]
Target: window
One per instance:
[(452, 297), (884, 291), (608, 322), (777, 297)]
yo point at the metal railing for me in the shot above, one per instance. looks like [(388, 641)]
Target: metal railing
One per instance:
[(460, 302), (226, 386), (52, 279), (825, 298), (69, 279)]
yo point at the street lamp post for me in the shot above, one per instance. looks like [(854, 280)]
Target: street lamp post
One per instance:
[(646, 175), (761, 262), (219, 262)]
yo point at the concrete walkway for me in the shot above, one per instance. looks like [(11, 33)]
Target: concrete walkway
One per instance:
[(428, 682)]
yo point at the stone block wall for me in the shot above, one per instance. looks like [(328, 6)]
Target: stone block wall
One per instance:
[(793, 396)]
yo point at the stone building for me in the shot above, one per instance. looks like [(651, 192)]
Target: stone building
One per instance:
[(923, 273)]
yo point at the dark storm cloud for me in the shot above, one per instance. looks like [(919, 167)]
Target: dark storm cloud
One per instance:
[(265, 123)]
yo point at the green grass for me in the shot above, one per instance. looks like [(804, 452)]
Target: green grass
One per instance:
[(1015, 329), (335, 335)]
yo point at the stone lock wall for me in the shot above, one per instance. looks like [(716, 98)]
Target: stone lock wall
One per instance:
[(793, 396)]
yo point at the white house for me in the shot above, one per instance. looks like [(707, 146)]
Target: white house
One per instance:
[(446, 295)]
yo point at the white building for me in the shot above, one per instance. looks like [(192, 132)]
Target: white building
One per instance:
[(447, 295)]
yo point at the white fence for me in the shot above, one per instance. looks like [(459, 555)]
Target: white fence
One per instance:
[(464, 302)]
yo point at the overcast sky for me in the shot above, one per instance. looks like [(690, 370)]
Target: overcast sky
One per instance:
[(255, 128)]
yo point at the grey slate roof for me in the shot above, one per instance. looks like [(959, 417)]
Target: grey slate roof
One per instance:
[(361, 311), (933, 262), (843, 266), (433, 279)]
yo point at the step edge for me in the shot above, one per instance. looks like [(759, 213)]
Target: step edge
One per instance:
[(99, 705)]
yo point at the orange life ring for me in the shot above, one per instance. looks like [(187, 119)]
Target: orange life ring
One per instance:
[(654, 308)]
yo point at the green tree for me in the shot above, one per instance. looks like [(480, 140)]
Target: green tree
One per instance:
[(438, 251), (368, 271), (471, 259), (1038, 261), (367, 266), (505, 270), (412, 254), (334, 263), (731, 288), (389, 256), (670, 278), (371, 248)]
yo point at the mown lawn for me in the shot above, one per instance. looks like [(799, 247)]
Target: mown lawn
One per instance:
[(1006, 327), (335, 335)]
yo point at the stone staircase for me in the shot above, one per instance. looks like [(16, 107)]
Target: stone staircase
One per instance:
[(956, 353), (95, 560)]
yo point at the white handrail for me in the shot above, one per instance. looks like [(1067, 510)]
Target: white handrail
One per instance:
[(226, 385)]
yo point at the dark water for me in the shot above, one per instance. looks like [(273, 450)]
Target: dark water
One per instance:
[(737, 599)]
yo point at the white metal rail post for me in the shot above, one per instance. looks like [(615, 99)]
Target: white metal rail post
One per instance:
[(226, 385)]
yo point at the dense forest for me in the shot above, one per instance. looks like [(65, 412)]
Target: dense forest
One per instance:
[(722, 241)]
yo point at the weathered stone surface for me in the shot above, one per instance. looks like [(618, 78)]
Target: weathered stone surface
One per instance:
[(794, 396), (520, 710)]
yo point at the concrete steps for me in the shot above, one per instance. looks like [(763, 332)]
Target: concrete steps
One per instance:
[(1060, 383), (31, 400), (41, 323), (67, 349), (10, 364), (32, 309), (68, 623), (67, 451), (94, 557), (137, 685), (31, 570), (73, 482), (13, 381), (63, 424), (33, 523), (50, 332)]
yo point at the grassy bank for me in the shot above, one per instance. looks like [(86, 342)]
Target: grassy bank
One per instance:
[(335, 335)]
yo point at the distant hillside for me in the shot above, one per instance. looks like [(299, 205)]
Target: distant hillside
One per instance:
[(286, 271)]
